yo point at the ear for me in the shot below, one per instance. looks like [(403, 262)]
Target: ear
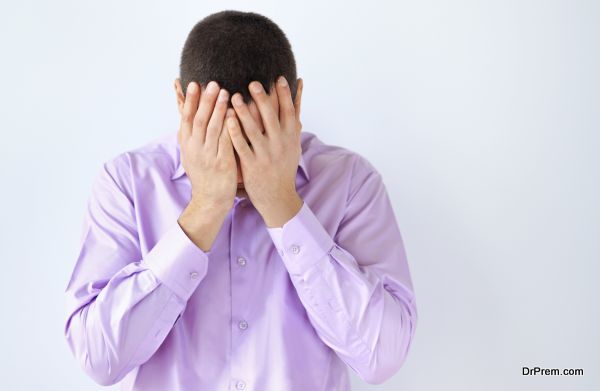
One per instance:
[(179, 95)]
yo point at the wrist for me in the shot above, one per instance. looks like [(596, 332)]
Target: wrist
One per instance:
[(198, 205), (202, 224), (201, 214), (280, 212)]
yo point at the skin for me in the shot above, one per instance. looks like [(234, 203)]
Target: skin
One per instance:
[(249, 150)]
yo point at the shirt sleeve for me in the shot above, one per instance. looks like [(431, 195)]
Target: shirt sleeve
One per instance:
[(120, 306), (356, 286)]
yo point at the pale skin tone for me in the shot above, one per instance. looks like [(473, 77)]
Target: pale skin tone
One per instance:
[(251, 150)]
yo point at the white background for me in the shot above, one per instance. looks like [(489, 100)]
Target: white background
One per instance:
[(482, 117)]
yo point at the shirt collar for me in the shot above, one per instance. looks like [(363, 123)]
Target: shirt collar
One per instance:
[(179, 171)]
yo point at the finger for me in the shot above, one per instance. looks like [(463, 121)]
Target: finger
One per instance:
[(298, 99), (267, 112), (239, 142), (225, 146), (287, 113), (215, 124), (205, 108), (247, 121), (190, 106)]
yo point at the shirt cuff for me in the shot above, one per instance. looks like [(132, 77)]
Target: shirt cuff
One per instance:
[(177, 262), (302, 242)]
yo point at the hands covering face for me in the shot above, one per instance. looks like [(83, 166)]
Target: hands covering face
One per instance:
[(210, 133), (270, 164)]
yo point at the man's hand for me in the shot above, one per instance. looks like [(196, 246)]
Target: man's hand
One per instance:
[(209, 162), (206, 152), (269, 168)]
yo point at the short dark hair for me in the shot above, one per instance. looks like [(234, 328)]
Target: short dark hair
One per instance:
[(234, 48)]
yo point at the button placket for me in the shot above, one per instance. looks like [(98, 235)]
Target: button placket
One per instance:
[(241, 275)]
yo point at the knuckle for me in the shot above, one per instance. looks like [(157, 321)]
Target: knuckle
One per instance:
[(211, 128), (231, 124), (199, 122), (186, 116), (290, 111), (272, 114), (221, 164), (262, 96)]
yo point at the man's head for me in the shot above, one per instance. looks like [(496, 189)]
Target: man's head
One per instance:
[(234, 48)]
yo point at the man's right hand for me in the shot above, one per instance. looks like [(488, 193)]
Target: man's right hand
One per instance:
[(207, 156)]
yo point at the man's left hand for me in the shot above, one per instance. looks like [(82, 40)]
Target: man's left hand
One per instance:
[(269, 167)]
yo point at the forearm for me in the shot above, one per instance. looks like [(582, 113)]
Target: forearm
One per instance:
[(368, 322), (124, 325), (116, 325), (365, 314)]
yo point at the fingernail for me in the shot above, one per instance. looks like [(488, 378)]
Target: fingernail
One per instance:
[(192, 87), (282, 82), (222, 95), (212, 87), (256, 86), (237, 100)]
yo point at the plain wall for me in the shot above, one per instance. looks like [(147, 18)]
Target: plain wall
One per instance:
[(483, 118)]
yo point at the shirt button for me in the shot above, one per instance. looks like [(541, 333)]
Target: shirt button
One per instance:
[(241, 261), (193, 275), (295, 249), (240, 385), (243, 325)]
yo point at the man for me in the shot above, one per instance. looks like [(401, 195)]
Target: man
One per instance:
[(239, 253)]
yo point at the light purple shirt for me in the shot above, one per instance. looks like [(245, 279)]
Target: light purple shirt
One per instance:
[(278, 309)]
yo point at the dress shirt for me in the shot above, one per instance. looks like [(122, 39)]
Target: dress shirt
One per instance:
[(284, 308)]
